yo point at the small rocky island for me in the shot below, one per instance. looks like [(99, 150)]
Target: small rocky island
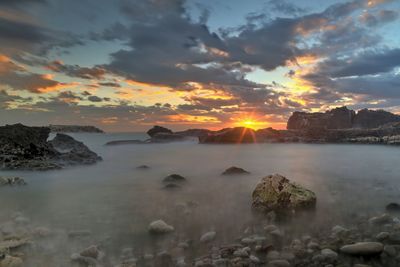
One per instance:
[(340, 125), (74, 129), (27, 148)]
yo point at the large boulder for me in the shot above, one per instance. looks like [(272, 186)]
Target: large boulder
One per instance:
[(73, 151), (158, 129), (276, 193)]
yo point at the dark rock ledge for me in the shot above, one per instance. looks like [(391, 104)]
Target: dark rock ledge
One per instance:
[(27, 148)]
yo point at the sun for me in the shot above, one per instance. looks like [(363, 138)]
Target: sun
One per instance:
[(249, 123)]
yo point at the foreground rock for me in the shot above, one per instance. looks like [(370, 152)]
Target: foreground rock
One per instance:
[(23, 147), (363, 249), (235, 171), (276, 193), (160, 227)]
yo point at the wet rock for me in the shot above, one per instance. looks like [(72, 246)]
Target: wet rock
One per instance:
[(12, 181), (380, 220), (276, 193), (160, 227), (72, 151), (143, 167), (91, 252), (174, 178), (363, 249), (235, 171), (393, 207), (382, 236), (208, 237), (329, 254)]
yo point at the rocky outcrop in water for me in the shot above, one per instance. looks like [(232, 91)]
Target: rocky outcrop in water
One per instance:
[(235, 171), (74, 129), (158, 129), (341, 118), (73, 151), (276, 193), (23, 147), (11, 181)]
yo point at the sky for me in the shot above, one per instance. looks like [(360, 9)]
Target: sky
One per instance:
[(125, 65)]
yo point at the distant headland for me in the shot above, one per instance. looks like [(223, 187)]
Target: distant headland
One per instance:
[(74, 129)]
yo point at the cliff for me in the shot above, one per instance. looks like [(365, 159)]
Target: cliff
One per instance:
[(74, 129)]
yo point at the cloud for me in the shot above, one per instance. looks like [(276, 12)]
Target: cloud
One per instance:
[(94, 98), (77, 71)]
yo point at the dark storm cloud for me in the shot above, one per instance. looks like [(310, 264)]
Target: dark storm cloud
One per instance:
[(371, 62), (94, 98), (77, 71)]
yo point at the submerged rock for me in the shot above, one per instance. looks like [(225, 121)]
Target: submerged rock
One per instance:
[(235, 171), (363, 249), (276, 193), (143, 167), (172, 186), (173, 178), (393, 207), (160, 227), (11, 181)]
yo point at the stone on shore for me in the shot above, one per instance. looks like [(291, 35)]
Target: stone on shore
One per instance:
[(276, 193), (160, 227), (363, 249)]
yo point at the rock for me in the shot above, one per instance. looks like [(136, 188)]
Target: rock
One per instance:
[(382, 236), (394, 238), (12, 181), (363, 249), (13, 243), (276, 193), (235, 171), (167, 137), (393, 207), (143, 167), (338, 118), (160, 227), (380, 220), (230, 135), (91, 252), (329, 254), (278, 263), (174, 178), (254, 259), (158, 129), (9, 261), (374, 118), (72, 151), (27, 148), (208, 237)]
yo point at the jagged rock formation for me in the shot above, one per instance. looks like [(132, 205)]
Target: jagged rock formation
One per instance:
[(341, 118), (338, 118), (74, 129), (23, 147)]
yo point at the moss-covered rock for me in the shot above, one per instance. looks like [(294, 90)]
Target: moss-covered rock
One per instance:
[(276, 193)]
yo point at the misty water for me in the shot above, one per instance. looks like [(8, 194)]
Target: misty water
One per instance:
[(116, 201)]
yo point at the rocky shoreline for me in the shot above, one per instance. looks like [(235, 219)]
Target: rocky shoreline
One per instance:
[(27, 148)]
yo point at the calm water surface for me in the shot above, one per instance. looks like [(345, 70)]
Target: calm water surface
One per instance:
[(116, 201)]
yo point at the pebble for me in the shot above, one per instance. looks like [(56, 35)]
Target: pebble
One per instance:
[(329, 254), (160, 227), (382, 236), (208, 237), (363, 249)]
